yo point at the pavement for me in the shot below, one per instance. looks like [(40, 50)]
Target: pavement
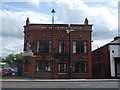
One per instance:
[(4, 79)]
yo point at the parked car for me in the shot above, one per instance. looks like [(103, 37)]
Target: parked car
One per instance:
[(0, 72), (7, 72)]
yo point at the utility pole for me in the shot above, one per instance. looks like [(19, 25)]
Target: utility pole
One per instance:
[(69, 56)]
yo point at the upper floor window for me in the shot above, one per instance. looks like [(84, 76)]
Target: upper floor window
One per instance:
[(28, 45), (62, 46), (44, 46), (80, 46)]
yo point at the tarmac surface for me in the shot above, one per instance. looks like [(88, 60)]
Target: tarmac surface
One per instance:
[(11, 83), (54, 80)]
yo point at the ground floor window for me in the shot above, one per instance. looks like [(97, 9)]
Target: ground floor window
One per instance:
[(80, 66), (43, 66), (62, 67)]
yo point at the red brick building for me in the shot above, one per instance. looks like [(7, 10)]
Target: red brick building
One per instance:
[(57, 50), (106, 60), (101, 62)]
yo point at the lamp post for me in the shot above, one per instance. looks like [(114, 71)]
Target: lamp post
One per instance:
[(53, 11), (69, 30)]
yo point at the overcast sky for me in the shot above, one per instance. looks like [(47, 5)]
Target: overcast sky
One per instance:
[(103, 15)]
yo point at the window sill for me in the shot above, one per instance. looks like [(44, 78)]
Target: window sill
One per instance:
[(26, 72), (79, 73), (79, 54), (62, 73), (43, 71), (41, 53)]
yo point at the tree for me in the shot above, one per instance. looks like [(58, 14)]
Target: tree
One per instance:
[(19, 57), (3, 60), (0, 59), (10, 59)]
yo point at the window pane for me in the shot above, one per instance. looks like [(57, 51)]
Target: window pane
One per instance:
[(79, 46), (85, 46), (28, 45), (82, 47), (38, 46), (44, 46), (74, 47), (76, 67), (80, 66), (84, 67), (50, 45), (62, 46), (62, 67), (43, 66), (47, 66), (39, 66), (41, 49)]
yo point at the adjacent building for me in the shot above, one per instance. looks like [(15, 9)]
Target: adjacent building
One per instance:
[(57, 50), (106, 60)]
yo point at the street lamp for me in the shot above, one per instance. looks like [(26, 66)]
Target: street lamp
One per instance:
[(53, 11), (68, 31)]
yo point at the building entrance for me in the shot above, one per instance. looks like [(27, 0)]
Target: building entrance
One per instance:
[(117, 66)]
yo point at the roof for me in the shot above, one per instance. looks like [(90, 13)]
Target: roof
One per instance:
[(59, 24), (116, 41)]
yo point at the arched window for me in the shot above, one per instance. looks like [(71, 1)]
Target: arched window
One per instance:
[(28, 45), (26, 65)]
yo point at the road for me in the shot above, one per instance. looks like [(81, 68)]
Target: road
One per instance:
[(22, 84)]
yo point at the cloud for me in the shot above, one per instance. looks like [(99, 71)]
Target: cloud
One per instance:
[(34, 2), (12, 29), (103, 18), (11, 45), (13, 22), (99, 43)]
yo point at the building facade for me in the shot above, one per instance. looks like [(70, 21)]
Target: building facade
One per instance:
[(57, 50), (106, 60)]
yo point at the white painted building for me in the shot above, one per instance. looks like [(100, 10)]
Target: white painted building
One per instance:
[(114, 48)]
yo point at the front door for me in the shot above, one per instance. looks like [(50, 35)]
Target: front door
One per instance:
[(117, 67)]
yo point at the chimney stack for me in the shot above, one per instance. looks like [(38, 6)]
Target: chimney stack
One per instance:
[(27, 21), (86, 21)]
